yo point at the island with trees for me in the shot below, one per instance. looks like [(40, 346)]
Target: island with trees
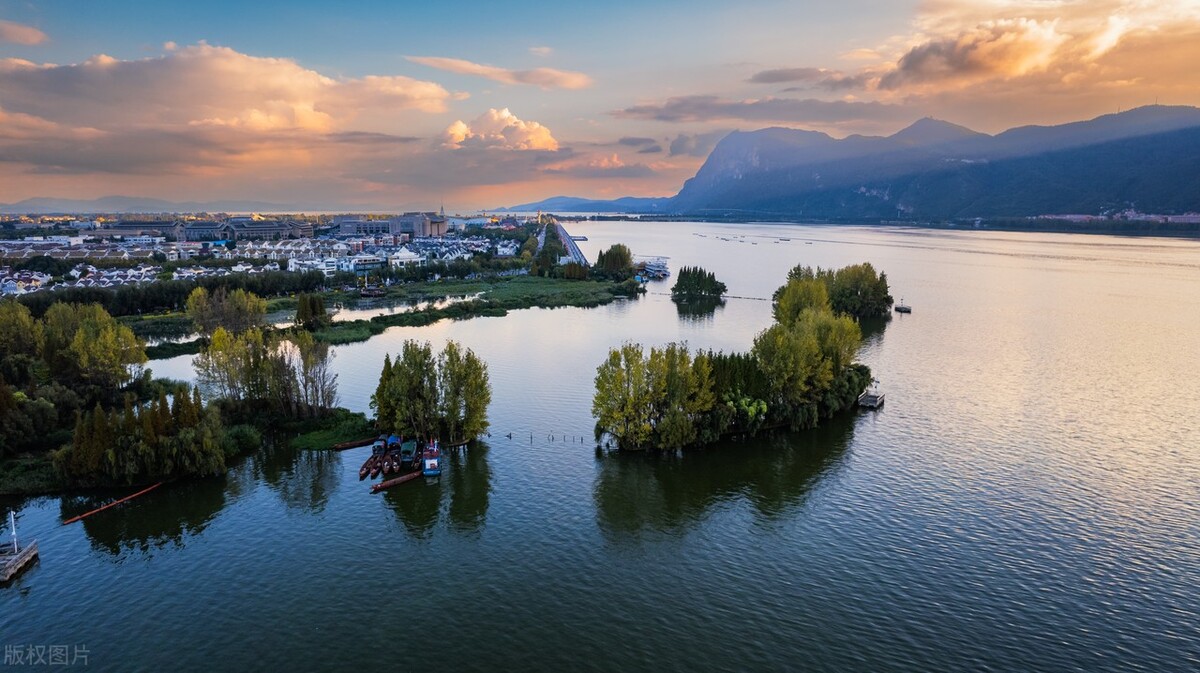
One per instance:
[(695, 284), (424, 395), (798, 371)]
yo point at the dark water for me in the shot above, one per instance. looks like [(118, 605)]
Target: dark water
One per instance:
[(1027, 500)]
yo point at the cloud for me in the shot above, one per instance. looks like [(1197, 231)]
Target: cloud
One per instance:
[(695, 144), (546, 78), (832, 80), (632, 141), (499, 129), (192, 110), (19, 33), (541, 51), (1005, 48), (788, 110), (788, 75), (604, 166), (203, 85), (651, 149)]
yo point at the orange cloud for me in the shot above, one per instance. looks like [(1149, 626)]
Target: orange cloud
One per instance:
[(203, 85), (1004, 48), (546, 78), (19, 33), (499, 129)]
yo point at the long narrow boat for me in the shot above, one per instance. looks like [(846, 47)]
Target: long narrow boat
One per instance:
[(394, 482), (353, 444)]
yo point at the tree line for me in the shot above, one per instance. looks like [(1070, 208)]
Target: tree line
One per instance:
[(285, 374), (160, 439), (172, 295), (798, 371), (693, 282), (425, 395), (856, 290), (50, 368)]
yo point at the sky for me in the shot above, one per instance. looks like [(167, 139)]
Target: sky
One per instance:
[(403, 105)]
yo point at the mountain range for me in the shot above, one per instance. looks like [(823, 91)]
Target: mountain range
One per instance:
[(1147, 158)]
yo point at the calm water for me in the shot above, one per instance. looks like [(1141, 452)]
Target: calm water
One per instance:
[(1028, 499)]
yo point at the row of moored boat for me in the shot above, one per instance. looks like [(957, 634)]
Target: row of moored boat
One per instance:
[(391, 455)]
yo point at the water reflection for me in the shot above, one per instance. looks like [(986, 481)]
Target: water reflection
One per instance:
[(156, 520), (873, 329), (470, 481), (460, 497), (774, 474), (303, 480), (698, 310)]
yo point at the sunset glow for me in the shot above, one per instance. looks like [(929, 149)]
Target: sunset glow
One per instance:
[(390, 107)]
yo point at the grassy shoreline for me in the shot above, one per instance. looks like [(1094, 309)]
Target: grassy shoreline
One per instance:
[(494, 297)]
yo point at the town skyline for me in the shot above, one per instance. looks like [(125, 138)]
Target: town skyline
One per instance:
[(401, 107)]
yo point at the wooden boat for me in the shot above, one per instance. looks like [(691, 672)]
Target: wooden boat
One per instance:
[(409, 452), (353, 444), (376, 488)]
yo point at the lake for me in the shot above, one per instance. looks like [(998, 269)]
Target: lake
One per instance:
[(1028, 499)]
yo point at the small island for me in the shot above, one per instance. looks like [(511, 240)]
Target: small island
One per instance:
[(696, 284), (798, 371)]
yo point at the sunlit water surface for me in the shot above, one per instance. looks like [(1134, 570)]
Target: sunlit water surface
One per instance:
[(1027, 500)]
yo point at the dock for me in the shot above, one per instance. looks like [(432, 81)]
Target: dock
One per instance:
[(870, 400), (14, 563), (14, 558)]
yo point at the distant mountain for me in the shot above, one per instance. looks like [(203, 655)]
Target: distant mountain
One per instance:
[(134, 204), (1147, 158), (570, 204)]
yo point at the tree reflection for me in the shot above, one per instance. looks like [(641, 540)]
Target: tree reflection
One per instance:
[(460, 496), (303, 480), (470, 482), (872, 330), (416, 506), (164, 517), (645, 492), (698, 310)]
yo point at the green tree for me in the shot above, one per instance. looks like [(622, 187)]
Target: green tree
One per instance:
[(623, 402), (20, 334), (616, 263), (796, 372), (236, 310), (799, 295), (414, 390), (381, 401)]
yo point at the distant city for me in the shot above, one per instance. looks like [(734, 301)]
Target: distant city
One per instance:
[(111, 251)]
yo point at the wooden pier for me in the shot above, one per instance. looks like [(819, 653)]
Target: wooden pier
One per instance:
[(871, 398), (13, 564), (13, 557)]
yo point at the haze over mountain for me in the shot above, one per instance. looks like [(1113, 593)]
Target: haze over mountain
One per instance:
[(1147, 158), (136, 204)]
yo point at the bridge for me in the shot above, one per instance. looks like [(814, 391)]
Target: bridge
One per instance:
[(572, 247)]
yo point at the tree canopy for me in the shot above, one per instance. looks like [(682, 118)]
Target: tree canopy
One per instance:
[(423, 395), (798, 371)]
